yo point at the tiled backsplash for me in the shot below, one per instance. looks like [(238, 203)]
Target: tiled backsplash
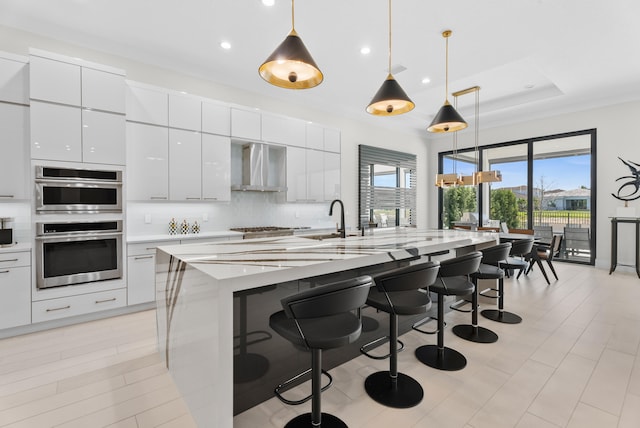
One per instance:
[(245, 209), (21, 212)]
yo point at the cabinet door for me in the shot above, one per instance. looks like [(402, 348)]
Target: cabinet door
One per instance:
[(103, 137), (331, 140), (245, 124), (216, 168), (331, 176), (147, 105), (141, 279), (102, 90), (315, 137), (147, 162), (283, 130), (185, 112), (296, 174), (14, 133), (216, 118), (14, 81), (55, 132), (54, 81), (15, 305), (315, 175), (185, 174)]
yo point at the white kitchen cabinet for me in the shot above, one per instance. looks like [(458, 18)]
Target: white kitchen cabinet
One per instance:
[(216, 168), (147, 105), (103, 137), (331, 176), (103, 90), (14, 162), (147, 162), (185, 167), (246, 124), (315, 175), (331, 140), (283, 130), (185, 112), (47, 310), (14, 78), (55, 81), (216, 118), (15, 285), (141, 276), (296, 174), (56, 132), (315, 137)]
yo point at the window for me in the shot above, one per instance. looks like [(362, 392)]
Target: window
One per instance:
[(387, 188)]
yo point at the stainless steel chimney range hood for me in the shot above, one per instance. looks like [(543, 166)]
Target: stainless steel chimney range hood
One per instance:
[(263, 168)]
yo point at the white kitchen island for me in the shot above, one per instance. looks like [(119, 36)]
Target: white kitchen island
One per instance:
[(195, 287)]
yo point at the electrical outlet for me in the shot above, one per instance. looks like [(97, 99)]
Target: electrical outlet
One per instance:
[(147, 218), (205, 217)]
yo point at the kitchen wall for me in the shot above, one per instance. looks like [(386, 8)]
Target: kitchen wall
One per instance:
[(21, 212), (353, 133), (617, 135)]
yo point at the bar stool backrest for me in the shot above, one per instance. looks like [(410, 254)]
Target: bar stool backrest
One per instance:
[(327, 300), (462, 265), (412, 277), (495, 254), (521, 247)]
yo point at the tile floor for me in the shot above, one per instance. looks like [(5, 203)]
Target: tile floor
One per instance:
[(573, 362)]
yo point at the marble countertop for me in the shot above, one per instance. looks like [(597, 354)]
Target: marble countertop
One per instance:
[(256, 262), (136, 239)]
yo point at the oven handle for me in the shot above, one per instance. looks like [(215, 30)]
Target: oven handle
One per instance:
[(79, 237), (78, 182)]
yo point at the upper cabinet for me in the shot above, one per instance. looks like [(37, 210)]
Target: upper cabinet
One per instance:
[(147, 162), (185, 166), (315, 136), (216, 118), (331, 140), (102, 90), (245, 124), (147, 105), (216, 168), (77, 110), (55, 81), (185, 112), (14, 130), (14, 78), (283, 130)]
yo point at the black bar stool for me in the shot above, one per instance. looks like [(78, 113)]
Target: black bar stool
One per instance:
[(399, 292), (453, 280), (321, 318), (486, 270), (518, 249)]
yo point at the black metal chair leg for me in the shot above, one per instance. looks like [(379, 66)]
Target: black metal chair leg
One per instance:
[(552, 269), (473, 332)]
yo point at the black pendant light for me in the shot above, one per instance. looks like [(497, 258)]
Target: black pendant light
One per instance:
[(390, 99), (291, 66), (447, 119)]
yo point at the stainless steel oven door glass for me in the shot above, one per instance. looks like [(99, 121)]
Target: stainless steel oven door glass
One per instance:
[(70, 253), (66, 190)]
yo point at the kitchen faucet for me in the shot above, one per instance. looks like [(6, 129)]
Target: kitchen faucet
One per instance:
[(342, 229)]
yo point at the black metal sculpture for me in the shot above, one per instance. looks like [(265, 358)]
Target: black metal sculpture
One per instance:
[(632, 181)]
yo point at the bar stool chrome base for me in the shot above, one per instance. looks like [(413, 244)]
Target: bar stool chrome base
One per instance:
[(475, 333), (501, 316), (405, 392), (442, 359), (304, 421)]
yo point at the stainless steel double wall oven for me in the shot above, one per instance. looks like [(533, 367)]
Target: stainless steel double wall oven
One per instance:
[(72, 247)]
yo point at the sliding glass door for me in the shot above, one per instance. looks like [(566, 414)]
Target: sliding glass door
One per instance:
[(548, 185)]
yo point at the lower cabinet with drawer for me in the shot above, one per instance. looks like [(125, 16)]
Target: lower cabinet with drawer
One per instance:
[(15, 285), (47, 310), (141, 271)]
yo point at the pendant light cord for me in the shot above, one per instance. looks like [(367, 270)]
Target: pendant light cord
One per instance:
[(446, 69), (477, 136), (389, 36), (293, 22)]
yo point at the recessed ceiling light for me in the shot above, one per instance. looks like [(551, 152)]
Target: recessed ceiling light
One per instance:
[(268, 2), (529, 86), (225, 45), (426, 80), (365, 50)]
